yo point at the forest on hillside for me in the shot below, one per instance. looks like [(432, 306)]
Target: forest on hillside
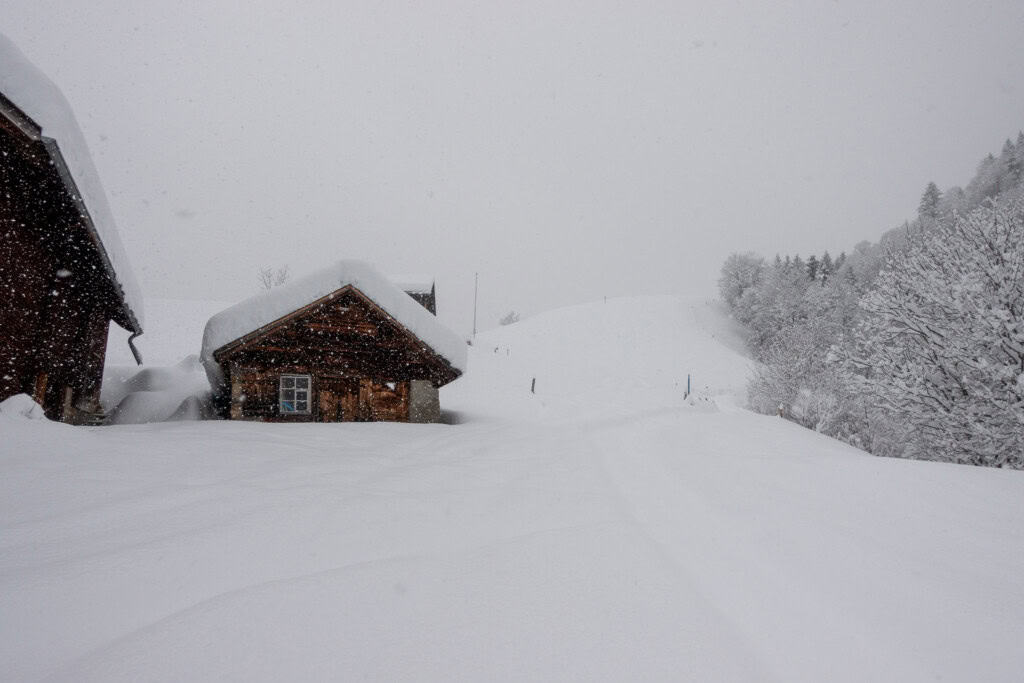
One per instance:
[(912, 346)]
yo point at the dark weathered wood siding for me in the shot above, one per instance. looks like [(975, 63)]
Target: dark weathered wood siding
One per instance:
[(57, 302)]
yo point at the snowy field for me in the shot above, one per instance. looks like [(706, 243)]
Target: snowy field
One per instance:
[(602, 528)]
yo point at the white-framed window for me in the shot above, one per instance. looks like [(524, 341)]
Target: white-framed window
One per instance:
[(293, 395)]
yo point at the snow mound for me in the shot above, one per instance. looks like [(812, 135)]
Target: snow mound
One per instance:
[(36, 95), (21, 407), (156, 394), (263, 309)]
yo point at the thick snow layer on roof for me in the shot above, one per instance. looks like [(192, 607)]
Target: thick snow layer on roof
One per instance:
[(36, 96), (250, 315), (416, 284)]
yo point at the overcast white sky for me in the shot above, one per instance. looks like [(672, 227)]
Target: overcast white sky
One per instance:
[(566, 151)]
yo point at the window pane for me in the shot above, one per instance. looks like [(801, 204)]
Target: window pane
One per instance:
[(287, 407), (288, 394), (301, 406), (301, 395), (287, 382), (302, 382)]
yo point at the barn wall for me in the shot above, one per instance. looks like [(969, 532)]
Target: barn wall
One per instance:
[(24, 269), (255, 396), (56, 306)]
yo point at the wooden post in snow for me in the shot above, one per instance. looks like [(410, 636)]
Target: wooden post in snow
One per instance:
[(476, 287)]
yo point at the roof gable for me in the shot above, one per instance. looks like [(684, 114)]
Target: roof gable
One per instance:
[(343, 332), (254, 317)]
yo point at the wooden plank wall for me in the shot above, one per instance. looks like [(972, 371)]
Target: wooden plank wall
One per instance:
[(332, 398), (55, 312)]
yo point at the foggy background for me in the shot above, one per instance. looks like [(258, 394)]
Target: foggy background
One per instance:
[(565, 152)]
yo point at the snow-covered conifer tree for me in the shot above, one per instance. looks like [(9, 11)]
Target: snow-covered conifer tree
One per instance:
[(812, 267), (928, 209), (826, 269)]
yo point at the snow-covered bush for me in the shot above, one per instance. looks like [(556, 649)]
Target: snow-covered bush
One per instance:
[(942, 341), (836, 339)]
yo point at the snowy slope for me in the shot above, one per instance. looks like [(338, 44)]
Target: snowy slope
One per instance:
[(614, 532), (614, 357)]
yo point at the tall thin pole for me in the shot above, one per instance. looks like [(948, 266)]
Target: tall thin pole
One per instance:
[(476, 287)]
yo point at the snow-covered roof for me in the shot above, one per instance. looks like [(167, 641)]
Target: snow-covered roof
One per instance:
[(37, 97), (263, 309), (414, 284)]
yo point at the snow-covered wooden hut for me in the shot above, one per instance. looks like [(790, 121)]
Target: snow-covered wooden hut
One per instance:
[(342, 344), (63, 271)]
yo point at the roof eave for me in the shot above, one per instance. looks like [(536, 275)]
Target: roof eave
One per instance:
[(128, 320)]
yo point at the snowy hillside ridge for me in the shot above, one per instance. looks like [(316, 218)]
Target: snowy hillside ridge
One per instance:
[(265, 308), (607, 358), (37, 96)]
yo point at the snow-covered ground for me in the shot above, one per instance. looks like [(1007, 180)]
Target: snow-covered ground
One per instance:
[(600, 528)]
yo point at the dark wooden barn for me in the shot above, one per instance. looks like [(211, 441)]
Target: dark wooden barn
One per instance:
[(63, 273), (344, 344)]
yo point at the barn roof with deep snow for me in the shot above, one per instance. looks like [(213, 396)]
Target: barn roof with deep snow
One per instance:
[(264, 309), (35, 95)]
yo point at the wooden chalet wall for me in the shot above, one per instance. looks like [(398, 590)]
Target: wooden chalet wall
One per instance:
[(57, 301), (360, 362)]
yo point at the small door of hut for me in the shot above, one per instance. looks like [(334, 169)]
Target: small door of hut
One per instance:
[(330, 406), (339, 400)]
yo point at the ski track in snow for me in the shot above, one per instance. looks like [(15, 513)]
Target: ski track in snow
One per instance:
[(602, 528)]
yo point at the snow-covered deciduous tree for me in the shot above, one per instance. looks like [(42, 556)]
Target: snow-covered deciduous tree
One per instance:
[(270, 278), (934, 370), (740, 272), (942, 340)]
